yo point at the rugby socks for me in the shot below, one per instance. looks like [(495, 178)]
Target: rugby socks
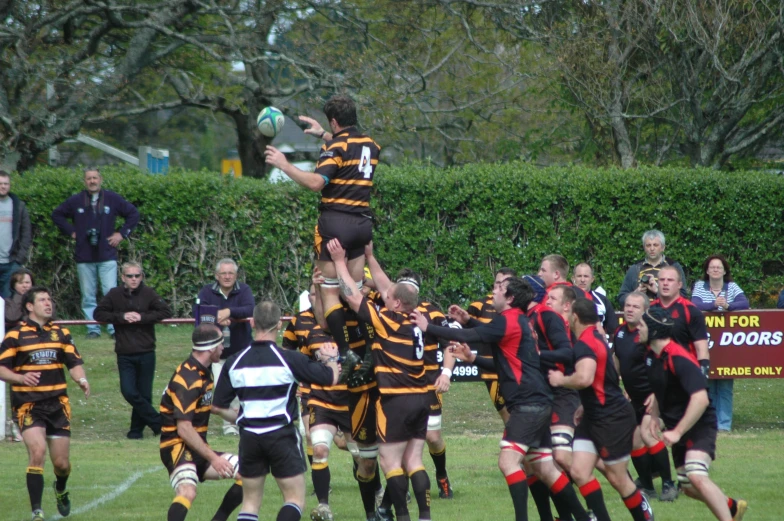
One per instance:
[(231, 500), (397, 486), (336, 320), (660, 461), (248, 516), (321, 478), (439, 460), (288, 512), (518, 489), (565, 500), (420, 482), (642, 461), (35, 486), (541, 498), (178, 509), (733, 505), (592, 492), (635, 506), (367, 491), (61, 478)]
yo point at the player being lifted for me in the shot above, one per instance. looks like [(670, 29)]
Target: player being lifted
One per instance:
[(344, 176)]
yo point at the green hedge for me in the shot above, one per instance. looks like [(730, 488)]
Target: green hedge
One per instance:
[(454, 226)]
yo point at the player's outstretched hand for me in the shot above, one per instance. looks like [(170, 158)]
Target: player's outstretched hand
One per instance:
[(274, 157), (222, 467), (462, 352), (459, 314), (419, 320), (442, 383), (555, 378), (314, 127), (336, 251)]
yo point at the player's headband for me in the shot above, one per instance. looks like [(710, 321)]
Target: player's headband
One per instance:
[(206, 345), (537, 284), (409, 281)]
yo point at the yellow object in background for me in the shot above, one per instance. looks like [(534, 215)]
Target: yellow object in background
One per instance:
[(231, 167)]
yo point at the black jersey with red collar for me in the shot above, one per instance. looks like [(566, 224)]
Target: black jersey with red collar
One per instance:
[(631, 360), (515, 355), (553, 339), (604, 396), (689, 322), (674, 376)]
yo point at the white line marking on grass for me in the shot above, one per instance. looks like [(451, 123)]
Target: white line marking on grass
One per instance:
[(121, 489)]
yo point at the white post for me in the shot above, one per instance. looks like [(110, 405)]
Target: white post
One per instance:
[(3, 416)]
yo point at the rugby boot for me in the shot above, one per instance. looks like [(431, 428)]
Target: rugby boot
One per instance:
[(445, 488), (669, 492), (38, 515), (649, 492), (384, 514), (321, 513), (63, 501), (379, 496), (742, 506), (646, 508)]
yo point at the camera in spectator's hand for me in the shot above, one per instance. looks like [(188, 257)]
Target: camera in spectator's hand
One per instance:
[(645, 279), (92, 235)]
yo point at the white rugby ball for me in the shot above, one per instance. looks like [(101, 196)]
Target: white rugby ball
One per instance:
[(270, 121)]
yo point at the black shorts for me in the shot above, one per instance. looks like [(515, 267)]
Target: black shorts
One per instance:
[(565, 404), (436, 403), (529, 425), (495, 394), (324, 416), (611, 436), (362, 411), (639, 410), (353, 230), (180, 454), (402, 417), (279, 451), (701, 437), (54, 414)]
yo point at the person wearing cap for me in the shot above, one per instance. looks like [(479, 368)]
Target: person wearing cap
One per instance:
[(185, 411), (680, 400), (134, 308)]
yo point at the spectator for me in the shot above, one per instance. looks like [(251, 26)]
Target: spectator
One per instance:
[(582, 277), (235, 302), (92, 214), (653, 243), (780, 303), (717, 292), (21, 282), (134, 309), (15, 233)]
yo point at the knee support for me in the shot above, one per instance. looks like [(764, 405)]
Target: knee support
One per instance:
[(434, 423), (353, 448), (510, 445), (321, 437), (562, 440), (538, 455), (696, 467), (184, 475), (330, 283), (370, 452)]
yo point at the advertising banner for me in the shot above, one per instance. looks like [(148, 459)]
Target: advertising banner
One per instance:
[(746, 344)]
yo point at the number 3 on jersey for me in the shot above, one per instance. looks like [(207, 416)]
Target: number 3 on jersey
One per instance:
[(419, 344), (365, 164)]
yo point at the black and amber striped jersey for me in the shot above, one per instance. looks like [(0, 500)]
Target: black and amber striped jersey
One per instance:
[(433, 357), (347, 163), (47, 349), (188, 397), (398, 350), (333, 397), (296, 337), (484, 312)]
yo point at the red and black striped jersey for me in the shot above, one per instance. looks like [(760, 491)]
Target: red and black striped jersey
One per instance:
[(188, 397), (348, 163), (553, 338), (334, 397), (484, 312), (689, 322), (604, 396), (398, 350), (579, 292), (432, 360), (47, 349)]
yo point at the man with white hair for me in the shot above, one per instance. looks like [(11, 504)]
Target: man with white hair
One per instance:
[(644, 275)]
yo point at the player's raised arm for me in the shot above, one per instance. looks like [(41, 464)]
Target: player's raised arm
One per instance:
[(310, 180), (347, 285)]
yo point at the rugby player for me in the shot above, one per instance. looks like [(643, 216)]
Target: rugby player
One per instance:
[(526, 393), (607, 426), (403, 407), (680, 399), (33, 356), (185, 415), (649, 455), (344, 176)]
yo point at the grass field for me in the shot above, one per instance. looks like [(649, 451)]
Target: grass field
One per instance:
[(115, 478)]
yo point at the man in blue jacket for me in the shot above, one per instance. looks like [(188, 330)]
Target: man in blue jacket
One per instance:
[(15, 233), (90, 217), (235, 301)]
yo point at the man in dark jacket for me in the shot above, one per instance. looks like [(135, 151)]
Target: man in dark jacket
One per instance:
[(235, 302), (134, 309), (89, 217), (644, 275), (15, 234)]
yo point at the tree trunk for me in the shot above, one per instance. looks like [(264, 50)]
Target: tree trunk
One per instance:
[(250, 144)]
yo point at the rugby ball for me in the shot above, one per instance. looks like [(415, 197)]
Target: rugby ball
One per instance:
[(270, 121)]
